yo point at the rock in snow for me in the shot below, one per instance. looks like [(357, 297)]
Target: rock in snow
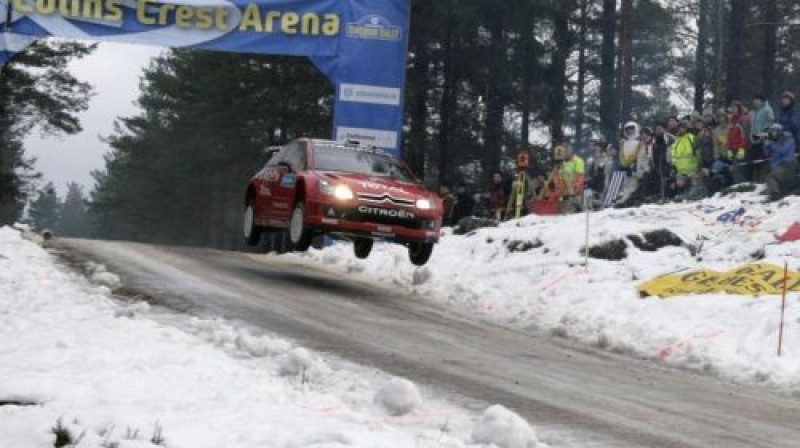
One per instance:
[(398, 397), (503, 428)]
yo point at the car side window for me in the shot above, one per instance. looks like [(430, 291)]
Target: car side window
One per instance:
[(296, 155), (281, 155)]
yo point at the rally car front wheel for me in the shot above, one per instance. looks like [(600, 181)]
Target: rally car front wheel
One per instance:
[(299, 233), (362, 247), (420, 253)]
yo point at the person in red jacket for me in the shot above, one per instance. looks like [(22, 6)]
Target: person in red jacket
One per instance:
[(738, 142), (499, 192)]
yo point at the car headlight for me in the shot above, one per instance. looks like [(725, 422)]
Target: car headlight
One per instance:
[(425, 204), (343, 193)]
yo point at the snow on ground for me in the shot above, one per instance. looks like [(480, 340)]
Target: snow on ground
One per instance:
[(491, 275), (122, 375)]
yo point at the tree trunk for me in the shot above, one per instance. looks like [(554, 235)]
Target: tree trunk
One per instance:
[(580, 114), (626, 69), (495, 92), (608, 99), (446, 103), (770, 48), (700, 56), (719, 53), (525, 132), (8, 204), (733, 91), (419, 84), (558, 92)]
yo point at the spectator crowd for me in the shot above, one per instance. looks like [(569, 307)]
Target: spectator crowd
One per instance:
[(687, 157)]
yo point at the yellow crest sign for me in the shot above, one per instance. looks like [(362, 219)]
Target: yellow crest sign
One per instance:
[(751, 280)]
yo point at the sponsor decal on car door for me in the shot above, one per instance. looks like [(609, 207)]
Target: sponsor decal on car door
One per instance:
[(286, 187), (268, 190)]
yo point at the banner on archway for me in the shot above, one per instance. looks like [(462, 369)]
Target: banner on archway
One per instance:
[(359, 44)]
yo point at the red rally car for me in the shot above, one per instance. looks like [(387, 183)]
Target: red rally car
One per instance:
[(315, 187)]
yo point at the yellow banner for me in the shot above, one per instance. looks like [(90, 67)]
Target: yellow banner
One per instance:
[(750, 280)]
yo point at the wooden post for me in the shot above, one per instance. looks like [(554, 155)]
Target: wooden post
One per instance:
[(783, 307), (587, 204)]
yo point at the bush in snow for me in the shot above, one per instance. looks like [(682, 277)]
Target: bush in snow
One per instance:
[(614, 250), (655, 240), (398, 397), (523, 246), (503, 428), (63, 435)]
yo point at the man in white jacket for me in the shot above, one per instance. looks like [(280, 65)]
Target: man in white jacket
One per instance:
[(629, 146)]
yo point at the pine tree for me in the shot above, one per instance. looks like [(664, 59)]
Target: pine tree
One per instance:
[(36, 92), (73, 221), (608, 97), (45, 211)]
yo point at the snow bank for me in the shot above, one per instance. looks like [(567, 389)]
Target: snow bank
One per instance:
[(398, 397), (529, 274), (114, 374), (504, 429)]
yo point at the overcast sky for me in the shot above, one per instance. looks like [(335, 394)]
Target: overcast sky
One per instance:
[(114, 71)]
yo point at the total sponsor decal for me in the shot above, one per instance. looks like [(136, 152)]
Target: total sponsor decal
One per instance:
[(374, 186), (374, 137), (386, 212), (359, 93)]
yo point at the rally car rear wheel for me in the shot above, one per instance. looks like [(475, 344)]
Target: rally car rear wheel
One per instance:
[(251, 232), (420, 253), (362, 247), (299, 233)]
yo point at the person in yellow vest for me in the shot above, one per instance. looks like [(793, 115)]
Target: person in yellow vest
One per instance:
[(720, 134), (574, 169), (573, 177), (522, 188), (684, 158)]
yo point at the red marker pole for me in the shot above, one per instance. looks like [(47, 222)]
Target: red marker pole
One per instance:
[(783, 307)]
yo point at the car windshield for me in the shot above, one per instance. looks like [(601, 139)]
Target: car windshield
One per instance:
[(331, 158)]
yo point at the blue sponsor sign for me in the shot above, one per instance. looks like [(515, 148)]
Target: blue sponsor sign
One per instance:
[(289, 180), (359, 44)]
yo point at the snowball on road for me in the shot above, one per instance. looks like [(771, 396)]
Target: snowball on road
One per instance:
[(398, 397), (504, 428), (529, 275), (113, 373)]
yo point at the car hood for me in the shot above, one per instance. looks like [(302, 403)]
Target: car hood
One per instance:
[(364, 184)]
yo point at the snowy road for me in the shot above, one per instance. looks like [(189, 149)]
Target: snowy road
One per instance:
[(551, 382)]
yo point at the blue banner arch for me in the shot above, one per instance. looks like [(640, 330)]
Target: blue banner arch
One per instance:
[(361, 45)]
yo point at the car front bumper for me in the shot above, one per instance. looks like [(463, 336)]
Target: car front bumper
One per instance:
[(346, 220)]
